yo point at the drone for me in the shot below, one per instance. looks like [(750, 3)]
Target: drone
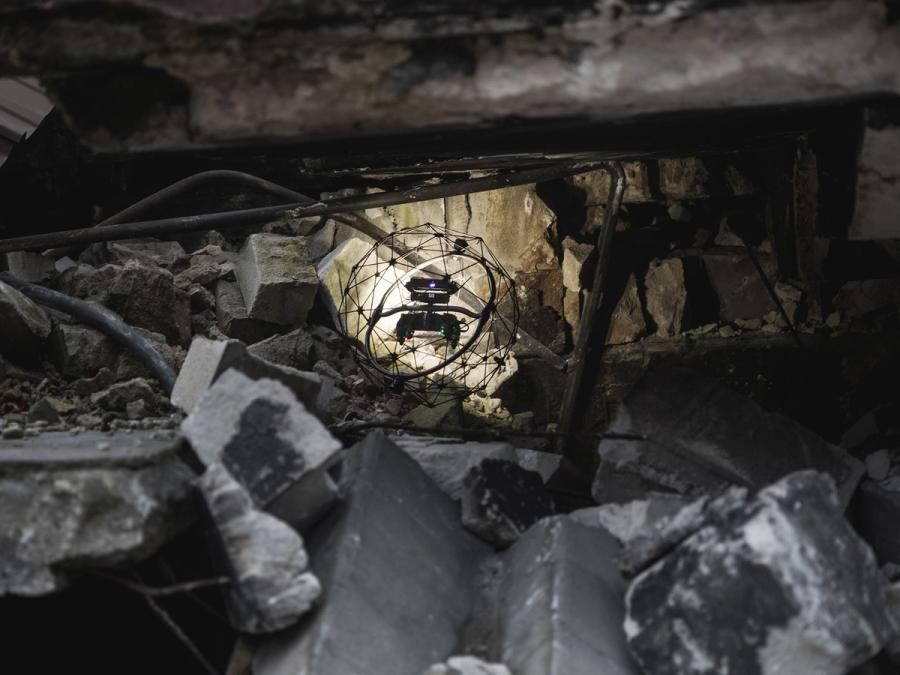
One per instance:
[(431, 312)]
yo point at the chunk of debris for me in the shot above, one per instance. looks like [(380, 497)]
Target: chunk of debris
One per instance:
[(631, 519), (736, 282), (501, 500), (467, 665), (701, 437), (79, 351), (207, 359), (232, 317), (666, 295), (562, 603), (30, 267), (385, 613), (294, 349), (118, 396), (148, 251), (627, 323), (70, 503), (270, 443), (575, 255), (265, 558), (44, 410), (25, 325), (276, 278), (780, 585)]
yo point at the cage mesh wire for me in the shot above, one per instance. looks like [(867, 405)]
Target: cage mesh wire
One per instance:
[(421, 309)]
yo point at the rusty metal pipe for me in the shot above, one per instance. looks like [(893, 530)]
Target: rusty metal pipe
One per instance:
[(228, 219)]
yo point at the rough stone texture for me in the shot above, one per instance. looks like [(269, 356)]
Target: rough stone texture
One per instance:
[(685, 178), (294, 349), (277, 281), (878, 185), (596, 185), (736, 283), (79, 351), (142, 295), (208, 359), (384, 613), (600, 64), (702, 437), (501, 500), (561, 605), (666, 295), (277, 451), (25, 325), (119, 395), (73, 503), (232, 317), (627, 323), (467, 665), (631, 519), (574, 257), (779, 585), (148, 251), (265, 558)]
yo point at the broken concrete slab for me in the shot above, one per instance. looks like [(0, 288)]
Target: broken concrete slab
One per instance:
[(70, 503), (562, 603), (207, 359), (277, 450), (666, 295), (271, 587), (232, 317), (383, 613), (25, 325), (780, 585), (277, 281), (701, 437), (501, 500)]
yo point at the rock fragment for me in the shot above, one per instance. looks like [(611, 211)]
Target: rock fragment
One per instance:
[(278, 451), (148, 251), (574, 257), (294, 349), (627, 323), (666, 295), (384, 613), (501, 500), (276, 278), (701, 437), (119, 395), (232, 317), (467, 665), (25, 325), (781, 584), (79, 351), (741, 292), (265, 558)]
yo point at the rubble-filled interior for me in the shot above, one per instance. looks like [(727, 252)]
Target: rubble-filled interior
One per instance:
[(671, 448)]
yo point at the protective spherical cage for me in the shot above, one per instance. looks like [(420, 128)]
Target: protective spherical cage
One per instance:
[(422, 309)]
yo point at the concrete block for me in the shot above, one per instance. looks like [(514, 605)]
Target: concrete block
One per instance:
[(268, 441), (79, 351), (396, 570), (778, 584), (562, 603), (207, 359), (233, 319), (701, 437), (294, 349), (265, 558), (276, 278)]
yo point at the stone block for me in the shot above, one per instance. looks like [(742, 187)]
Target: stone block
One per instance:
[(666, 295), (277, 450), (320, 243), (385, 611), (683, 178), (627, 323), (79, 351), (736, 283), (25, 325), (270, 586), (148, 251), (501, 500), (575, 255), (119, 395), (277, 281), (562, 603), (701, 437), (233, 319), (71, 503), (207, 359), (778, 584)]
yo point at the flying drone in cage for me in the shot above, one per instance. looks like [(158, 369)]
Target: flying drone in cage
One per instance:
[(431, 312)]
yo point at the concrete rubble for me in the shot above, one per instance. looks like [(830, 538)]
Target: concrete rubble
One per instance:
[(777, 583)]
